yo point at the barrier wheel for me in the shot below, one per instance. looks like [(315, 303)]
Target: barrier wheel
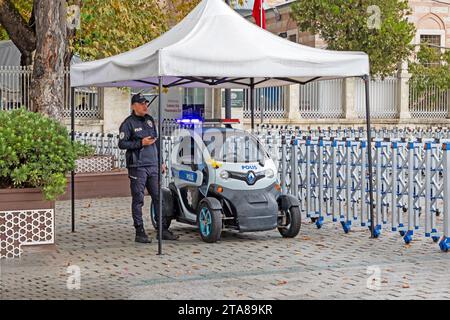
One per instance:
[(408, 237), (347, 226), (444, 244), (319, 223)]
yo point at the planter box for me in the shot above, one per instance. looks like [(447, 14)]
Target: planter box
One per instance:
[(99, 185), (25, 219)]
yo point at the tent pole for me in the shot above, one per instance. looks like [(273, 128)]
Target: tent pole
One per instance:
[(160, 158), (366, 79), (72, 137), (227, 92), (252, 102)]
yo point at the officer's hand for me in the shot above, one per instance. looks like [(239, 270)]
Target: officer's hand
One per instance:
[(148, 141), (164, 169)]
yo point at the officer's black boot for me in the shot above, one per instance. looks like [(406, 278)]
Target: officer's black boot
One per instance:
[(168, 235), (141, 236)]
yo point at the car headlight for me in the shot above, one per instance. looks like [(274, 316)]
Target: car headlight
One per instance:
[(224, 175), (269, 173)]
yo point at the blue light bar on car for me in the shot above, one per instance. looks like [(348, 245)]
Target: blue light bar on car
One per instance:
[(189, 121)]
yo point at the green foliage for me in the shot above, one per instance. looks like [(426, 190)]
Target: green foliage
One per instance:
[(84, 150), (431, 67), (35, 152), (109, 27), (345, 25)]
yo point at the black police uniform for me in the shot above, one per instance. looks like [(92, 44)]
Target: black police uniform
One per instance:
[(142, 163)]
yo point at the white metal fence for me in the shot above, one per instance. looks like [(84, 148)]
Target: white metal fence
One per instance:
[(317, 100), (15, 84), (429, 103), (383, 98), (273, 102), (14, 87), (322, 100)]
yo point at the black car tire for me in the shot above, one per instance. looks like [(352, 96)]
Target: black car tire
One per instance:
[(294, 222)]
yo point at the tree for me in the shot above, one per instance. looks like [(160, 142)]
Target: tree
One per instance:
[(378, 27), (47, 84), (430, 69), (43, 32), (177, 9), (108, 27)]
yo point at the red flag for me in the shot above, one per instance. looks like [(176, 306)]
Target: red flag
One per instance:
[(259, 14)]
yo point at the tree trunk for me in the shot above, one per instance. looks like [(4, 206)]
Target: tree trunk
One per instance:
[(47, 90)]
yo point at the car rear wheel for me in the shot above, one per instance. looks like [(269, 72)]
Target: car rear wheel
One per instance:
[(289, 225)]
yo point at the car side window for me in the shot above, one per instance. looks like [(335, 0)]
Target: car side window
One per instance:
[(186, 151)]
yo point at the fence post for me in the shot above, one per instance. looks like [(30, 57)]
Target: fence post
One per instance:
[(283, 164), (411, 219), (294, 167), (394, 188), (364, 206), (334, 180), (428, 193), (320, 177), (379, 188), (308, 177), (292, 99), (348, 98), (347, 223), (444, 244), (403, 93)]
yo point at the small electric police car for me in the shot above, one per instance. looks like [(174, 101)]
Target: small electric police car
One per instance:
[(224, 178)]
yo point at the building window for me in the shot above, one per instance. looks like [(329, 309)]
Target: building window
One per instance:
[(434, 40), (431, 39), (293, 38)]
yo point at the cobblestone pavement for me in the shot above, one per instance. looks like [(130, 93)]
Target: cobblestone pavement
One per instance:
[(318, 264)]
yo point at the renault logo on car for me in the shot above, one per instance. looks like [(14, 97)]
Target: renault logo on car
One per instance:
[(251, 178)]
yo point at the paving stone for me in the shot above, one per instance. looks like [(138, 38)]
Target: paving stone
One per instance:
[(319, 264)]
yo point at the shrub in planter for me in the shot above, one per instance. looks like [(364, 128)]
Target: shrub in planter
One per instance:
[(35, 152)]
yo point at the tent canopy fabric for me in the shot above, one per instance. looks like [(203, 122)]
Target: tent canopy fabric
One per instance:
[(215, 47)]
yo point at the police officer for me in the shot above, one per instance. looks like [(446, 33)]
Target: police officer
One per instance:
[(138, 135)]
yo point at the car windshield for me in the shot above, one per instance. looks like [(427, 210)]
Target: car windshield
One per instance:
[(233, 146)]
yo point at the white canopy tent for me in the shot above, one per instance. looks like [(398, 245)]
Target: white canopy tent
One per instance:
[(214, 47)]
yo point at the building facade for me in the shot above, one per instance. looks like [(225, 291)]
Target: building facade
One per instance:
[(341, 102), (431, 18)]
